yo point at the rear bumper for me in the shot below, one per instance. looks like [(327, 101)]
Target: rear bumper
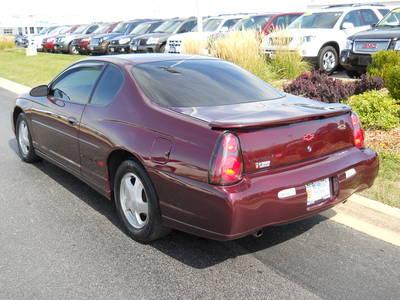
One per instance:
[(355, 62), (226, 213)]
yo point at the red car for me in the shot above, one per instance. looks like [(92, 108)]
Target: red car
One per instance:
[(49, 42), (194, 143), (267, 23)]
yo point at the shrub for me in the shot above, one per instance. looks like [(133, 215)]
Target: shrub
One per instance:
[(319, 86), (244, 49), (192, 46), (368, 83), (288, 65), (392, 81), (383, 60), (376, 109), (6, 42)]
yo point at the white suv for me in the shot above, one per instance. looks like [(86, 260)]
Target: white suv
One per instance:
[(212, 26), (319, 36)]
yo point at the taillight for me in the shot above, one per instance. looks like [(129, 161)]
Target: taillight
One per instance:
[(358, 132), (226, 166)]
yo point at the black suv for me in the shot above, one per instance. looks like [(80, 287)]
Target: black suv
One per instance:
[(120, 44), (155, 42), (383, 36)]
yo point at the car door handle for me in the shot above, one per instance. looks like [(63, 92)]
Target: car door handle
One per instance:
[(72, 120)]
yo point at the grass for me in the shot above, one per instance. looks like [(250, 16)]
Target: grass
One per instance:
[(289, 65), (32, 70), (387, 185)]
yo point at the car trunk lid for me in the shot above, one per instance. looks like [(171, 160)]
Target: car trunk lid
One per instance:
[(283, 131)]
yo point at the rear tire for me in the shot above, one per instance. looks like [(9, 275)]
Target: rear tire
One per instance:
[(328, 59), (137, 202), (24, 140)]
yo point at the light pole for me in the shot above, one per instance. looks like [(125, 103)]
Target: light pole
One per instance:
[(199, 17)]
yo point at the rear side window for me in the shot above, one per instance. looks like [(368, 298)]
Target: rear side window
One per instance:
[(369, 17), (200, 82), (108, 86)]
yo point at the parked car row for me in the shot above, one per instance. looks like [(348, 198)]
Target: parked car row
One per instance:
[(152, 35), (320, 36), (327, 37)]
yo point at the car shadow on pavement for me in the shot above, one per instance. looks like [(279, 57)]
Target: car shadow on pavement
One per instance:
[(190, 250)]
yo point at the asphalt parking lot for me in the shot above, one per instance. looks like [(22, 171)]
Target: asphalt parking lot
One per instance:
[(60, 239)]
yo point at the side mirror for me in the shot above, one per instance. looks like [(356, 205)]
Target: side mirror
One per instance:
[(373, 25), (347, 25), (39, 91)]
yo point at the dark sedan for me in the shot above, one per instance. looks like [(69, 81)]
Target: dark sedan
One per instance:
[(194, 143), (155, 42), (99, 42), (121, 44)]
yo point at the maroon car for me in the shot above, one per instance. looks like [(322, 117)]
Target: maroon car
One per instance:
[(194, 143)]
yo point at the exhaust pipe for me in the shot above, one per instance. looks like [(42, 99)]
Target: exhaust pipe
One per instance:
[(258, 233)]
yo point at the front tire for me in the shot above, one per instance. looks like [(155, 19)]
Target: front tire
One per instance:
[(72, 49), (137, 202), (24, 140), (353, 74), (328, 59)]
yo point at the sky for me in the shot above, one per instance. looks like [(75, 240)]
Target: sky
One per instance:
[(129, 9)]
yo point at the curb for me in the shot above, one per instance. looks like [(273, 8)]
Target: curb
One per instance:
[(376, 205), (14, 87)]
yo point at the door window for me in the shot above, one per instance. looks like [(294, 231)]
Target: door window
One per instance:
[(108, 87), (76, 84), (187, 26), (230, 23), (354, 18)]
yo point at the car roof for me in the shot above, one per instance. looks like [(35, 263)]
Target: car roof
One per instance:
[(346, 8), (135, 59)]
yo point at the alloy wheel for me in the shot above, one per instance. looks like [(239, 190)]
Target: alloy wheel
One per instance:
[(329, 61)]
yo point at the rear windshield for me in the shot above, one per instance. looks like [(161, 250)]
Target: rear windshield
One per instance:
[(200, 82)]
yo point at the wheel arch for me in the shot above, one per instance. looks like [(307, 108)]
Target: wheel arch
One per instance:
[(332, 44), (114, 160), (17, 111)]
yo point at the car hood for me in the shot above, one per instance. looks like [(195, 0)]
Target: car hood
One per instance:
[(160, 35), (378, 33), (107, 36), (191, 35)]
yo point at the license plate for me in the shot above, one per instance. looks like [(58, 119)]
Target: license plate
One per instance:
[(318, 191), (91, 48), (134, 48), (112, 49), (122, 50)]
